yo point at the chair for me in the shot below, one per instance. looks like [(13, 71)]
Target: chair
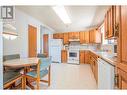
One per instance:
[(11, 57), (10, 77), (43, 68), (39, 56)]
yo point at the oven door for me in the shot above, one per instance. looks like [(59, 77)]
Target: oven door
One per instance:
[(72, 55)]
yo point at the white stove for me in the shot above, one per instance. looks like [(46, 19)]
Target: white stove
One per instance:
[(73, 56)]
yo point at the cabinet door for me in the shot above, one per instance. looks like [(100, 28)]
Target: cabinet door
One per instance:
[(123, 34), (87, 57), (82, 57), (97, 34), (66, 39), (110, 32), (82, 37), (91, 36), (87, 37), (76, 35), (106, 26), (56, 36), (61, 35), (116, 20), (70, 35), (64, 56)]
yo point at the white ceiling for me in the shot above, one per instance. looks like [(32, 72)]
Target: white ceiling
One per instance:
[(82, 17)]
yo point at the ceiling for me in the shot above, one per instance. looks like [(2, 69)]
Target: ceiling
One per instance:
[(82, 17)]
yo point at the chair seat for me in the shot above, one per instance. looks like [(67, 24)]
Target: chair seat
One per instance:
[(10, 75), (34, 73)]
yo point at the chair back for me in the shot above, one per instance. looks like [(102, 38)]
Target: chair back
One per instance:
[(45, 63), (10, 57), (41, 55)]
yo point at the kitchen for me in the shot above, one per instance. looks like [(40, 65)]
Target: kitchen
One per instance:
[(100, 48)]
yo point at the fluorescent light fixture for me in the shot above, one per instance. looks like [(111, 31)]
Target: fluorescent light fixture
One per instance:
[(62, 13)]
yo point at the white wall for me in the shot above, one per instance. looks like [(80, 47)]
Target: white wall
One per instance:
[(20, 45), (1, 56)]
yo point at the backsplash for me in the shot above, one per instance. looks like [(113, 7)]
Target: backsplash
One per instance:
[(109, 48), (78, 46)]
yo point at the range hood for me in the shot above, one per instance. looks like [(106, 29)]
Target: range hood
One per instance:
[(74, 40)]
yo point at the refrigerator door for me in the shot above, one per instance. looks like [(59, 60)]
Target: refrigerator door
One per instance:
[(55, 50)]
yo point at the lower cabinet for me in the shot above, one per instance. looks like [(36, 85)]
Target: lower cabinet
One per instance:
[(84, 56), (122, 78), (64, 56), (93, 63)]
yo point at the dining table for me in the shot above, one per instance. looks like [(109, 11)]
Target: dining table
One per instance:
[(25, 63)]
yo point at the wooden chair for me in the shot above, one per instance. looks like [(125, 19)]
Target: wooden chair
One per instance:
[(43, 68), (10, 77), (11, 57)]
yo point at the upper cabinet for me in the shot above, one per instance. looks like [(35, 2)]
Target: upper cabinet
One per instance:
[(84, 37), (58, 36), (73, 35), (111, 22), (95, 36), (87, 37), (92, 36), (65, 38)]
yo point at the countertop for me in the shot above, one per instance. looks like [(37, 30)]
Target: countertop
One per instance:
[(106, 56)]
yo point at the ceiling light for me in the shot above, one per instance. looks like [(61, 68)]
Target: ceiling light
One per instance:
[(62, 13)]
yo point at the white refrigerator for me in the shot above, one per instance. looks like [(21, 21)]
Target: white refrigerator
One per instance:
[(55, 47)]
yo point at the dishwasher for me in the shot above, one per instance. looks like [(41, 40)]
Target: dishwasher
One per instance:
[(106, 75)]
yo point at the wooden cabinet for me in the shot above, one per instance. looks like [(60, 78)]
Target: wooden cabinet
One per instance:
[(122, 49), (93, 63), (122, 78), (65, 39), (61, 35), (55, 36), (64, 56), (76, 35), (111, 22), (91, 32), (123, 34), (86, 57), (73, 35), (95, 36), (82, 56), (84, 37), (58, 36), (87, 37)]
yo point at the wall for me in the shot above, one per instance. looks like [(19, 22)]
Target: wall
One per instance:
[(1, 56), (20, 45)]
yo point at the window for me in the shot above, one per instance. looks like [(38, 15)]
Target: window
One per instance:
[(105, 41)]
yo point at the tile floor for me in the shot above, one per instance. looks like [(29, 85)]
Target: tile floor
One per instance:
[(69, 76)]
